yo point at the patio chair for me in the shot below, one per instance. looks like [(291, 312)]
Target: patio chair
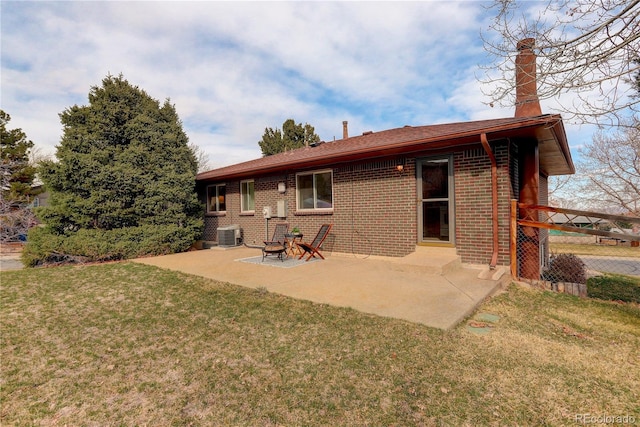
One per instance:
[(313, 248), (276, 246)]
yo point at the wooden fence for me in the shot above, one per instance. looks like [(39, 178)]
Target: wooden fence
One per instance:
[(528, 221)]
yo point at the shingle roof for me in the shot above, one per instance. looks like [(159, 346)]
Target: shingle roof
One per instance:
[(387, 142)]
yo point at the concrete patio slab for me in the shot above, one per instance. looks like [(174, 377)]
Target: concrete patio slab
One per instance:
[(430, 287)]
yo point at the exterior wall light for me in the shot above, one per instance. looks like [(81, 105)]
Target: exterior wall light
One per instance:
[(282, 187)]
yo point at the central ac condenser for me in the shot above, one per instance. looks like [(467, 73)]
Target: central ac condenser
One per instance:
[(229, 235)]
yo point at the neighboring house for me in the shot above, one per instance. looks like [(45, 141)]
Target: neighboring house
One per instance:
[(386, 192), (572, 237), (578, 221), (41, 199)]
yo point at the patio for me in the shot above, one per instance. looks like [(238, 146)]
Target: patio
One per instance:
[(430, 286)]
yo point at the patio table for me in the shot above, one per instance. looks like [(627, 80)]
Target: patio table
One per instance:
[(291, 243)]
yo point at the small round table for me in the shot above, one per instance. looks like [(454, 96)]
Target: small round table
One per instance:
[(290, 243)]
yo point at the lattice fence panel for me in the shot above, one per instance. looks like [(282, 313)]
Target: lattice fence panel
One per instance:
[(560, 249)]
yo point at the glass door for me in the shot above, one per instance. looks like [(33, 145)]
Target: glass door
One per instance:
[(435, 192)]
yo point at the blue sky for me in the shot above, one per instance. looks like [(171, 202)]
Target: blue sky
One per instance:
[(234, 68)]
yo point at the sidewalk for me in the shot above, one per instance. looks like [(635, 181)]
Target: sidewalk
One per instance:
[(10, 256), (428, 287)]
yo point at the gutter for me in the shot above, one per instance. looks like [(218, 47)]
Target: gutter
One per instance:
[(494, 197)]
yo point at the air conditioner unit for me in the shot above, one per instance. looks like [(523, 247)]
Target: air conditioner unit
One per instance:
[(229, 235)]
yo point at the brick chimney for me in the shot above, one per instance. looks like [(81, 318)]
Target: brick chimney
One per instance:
[(345, 131), (527, 103)]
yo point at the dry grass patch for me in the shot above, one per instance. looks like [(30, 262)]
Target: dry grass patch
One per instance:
[(128, 344)]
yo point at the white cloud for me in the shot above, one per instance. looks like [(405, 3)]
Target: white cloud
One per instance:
[(234, 68)]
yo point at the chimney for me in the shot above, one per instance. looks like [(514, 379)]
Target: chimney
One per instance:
[(527, 103), (345, 131)]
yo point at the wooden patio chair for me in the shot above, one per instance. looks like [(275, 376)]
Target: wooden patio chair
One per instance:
[(276, 246), (313, 248)]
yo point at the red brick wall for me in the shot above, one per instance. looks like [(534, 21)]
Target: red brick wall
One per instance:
[(374, 210), (473, 193), (375, 207), (472, 180), (249, 223)]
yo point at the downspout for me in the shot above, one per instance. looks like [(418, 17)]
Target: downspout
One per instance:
[(494, 197)]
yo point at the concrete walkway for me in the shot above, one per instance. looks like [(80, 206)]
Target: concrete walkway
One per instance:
[(430, 286), (10, 256)]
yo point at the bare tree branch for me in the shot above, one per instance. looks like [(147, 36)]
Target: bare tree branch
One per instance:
[(201, 157), (15, 215), (611, 165), (588, 53)]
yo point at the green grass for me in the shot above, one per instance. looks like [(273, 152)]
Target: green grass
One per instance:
[(614, 287), (128, 344)]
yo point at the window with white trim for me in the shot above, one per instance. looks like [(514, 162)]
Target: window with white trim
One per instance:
[(247, 196), (216, 198), (314, 190)]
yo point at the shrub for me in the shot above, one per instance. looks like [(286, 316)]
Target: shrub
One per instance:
[(44, 246), (123, 183), (614, 287), (566, 268)]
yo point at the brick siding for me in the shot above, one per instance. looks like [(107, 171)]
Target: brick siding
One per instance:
[(375, 206), (373, 211), (472, 171)]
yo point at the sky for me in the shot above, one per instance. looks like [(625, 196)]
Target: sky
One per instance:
[(233, 69)]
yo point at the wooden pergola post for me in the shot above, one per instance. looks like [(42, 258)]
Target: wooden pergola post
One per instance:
[(513, 237), (529, 241)]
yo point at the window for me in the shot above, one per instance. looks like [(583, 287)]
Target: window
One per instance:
[(216, 198), (247, 196), (315, 190)]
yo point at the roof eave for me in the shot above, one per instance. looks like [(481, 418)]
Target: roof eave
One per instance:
[(389, 150), (399, 148), (561, 137)]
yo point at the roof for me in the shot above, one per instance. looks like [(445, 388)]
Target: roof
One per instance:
[(574, 219), (555, 157)]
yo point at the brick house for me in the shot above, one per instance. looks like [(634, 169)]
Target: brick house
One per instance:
[(387, 191)]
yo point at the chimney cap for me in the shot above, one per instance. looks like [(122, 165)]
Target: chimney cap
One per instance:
[(524, 44)]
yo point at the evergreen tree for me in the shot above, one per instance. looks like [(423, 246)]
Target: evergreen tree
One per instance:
[(16, 183), (124, 172), (291, 137), (18, 173)]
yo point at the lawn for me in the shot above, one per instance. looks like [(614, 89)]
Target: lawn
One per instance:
[(601, 250), (129, 344)]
